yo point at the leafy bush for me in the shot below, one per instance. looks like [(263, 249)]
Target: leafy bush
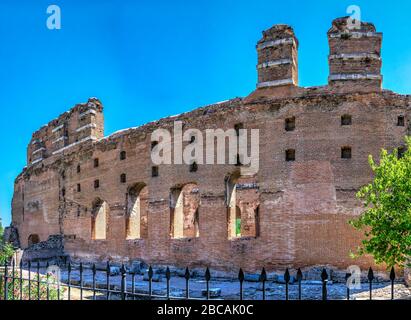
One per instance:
[(387, 218), (6, 249), (48, 287)]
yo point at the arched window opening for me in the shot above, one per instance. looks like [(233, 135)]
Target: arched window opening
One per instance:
[(184, 212), (33, 239), (99, 220), (137, 209), (242, 199)]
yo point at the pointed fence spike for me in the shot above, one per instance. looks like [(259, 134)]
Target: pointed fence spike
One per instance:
[(168, 273), (150, 272), (207, 274), (287, 276), (187, 274), (241, 275), (299, 275), (94, 268), (370, 274), (324, 275), (263, 276)]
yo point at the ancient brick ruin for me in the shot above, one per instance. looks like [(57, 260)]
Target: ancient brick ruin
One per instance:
[(108, 201)]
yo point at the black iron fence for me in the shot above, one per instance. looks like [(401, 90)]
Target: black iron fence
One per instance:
[(28, 283)]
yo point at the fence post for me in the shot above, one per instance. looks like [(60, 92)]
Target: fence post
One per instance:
[(187, 277), (13, 278), (299, 279), (208, 278), (324, 279), (38, 280), (168, 277), (48, 281), (69, 280), (347, 276), (370, 279), (150, 282), (392, 278), (123, 282), (81, 280), (29, 266), (108, 280), (6, 286), (241, 279), (287, 281), (94, 281), (21, 279), (263, 279)]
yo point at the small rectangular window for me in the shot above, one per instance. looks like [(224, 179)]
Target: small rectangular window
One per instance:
[(401, 121), (154, 171), (290, 155), (290, 124), (96, 163), (96, 184), (123, 155), (123, 178), (78, 187), (346, 153), (78, 169), (346, 120)]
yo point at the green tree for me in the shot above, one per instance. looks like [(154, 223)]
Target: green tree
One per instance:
[(1, 230), (6, 249), (387, 217)]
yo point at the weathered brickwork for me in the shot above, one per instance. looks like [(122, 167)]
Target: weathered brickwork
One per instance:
[(293, 212)]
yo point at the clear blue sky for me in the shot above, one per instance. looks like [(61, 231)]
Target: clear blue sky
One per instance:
[(149, 59)]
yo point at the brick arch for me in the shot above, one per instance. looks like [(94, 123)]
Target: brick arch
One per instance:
[(33, 239), (136, 222), (99, 219), (242, 202), (185, 211)]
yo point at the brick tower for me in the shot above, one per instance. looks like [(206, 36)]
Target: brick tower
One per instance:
[(355, 54), (277, 57)]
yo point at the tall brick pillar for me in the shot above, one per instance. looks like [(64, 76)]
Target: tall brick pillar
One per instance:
[(277, 57), (355, 54)]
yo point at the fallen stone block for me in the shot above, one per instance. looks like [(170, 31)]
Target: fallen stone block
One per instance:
[(214, 292), (252, 277), (138, 267)]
